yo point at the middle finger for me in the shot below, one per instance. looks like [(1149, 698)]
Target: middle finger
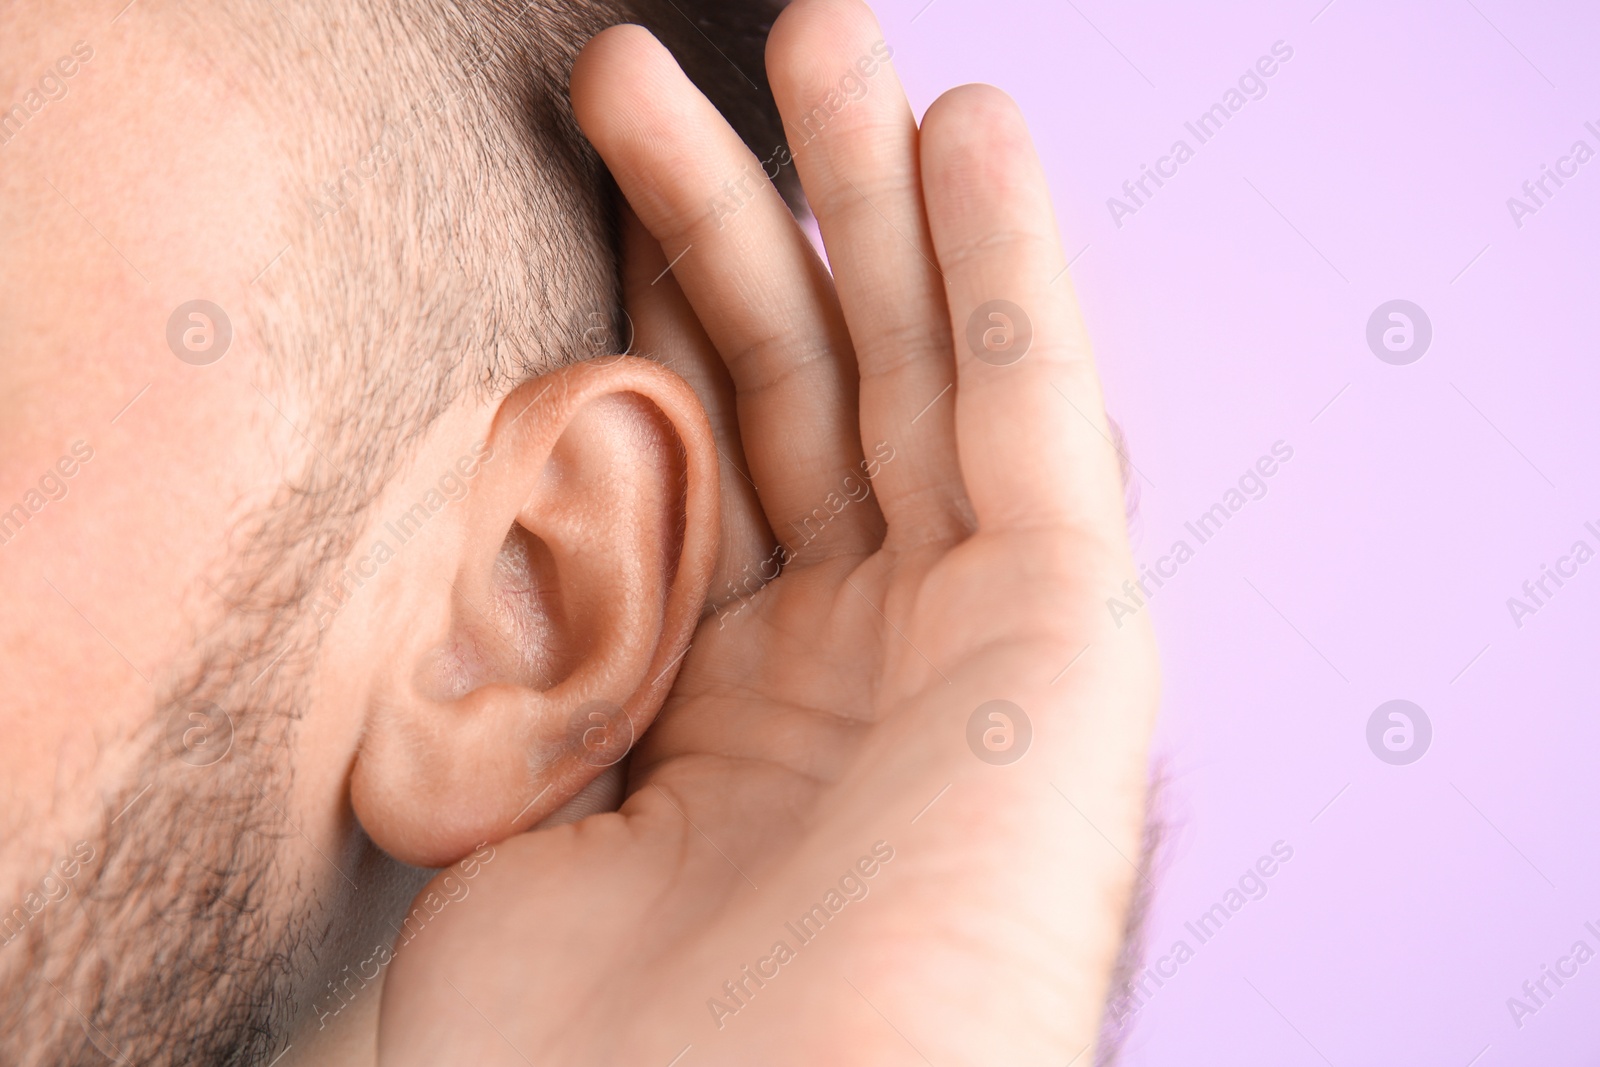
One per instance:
[(854, 141)]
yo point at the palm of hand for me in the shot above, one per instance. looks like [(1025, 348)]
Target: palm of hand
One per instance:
[(765, 779)]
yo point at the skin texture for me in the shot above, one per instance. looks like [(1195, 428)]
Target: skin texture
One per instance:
[(946, 529)]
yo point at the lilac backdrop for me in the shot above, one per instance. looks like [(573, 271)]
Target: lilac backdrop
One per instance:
[(1230, 312)]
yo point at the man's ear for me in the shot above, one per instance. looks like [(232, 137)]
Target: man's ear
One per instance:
[(555, 606)]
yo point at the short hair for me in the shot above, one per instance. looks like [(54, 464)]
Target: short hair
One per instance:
[(452, 230)]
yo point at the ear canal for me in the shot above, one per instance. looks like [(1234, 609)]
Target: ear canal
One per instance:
[(526, 579), (515, 631)]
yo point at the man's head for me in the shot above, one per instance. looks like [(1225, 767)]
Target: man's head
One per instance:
[(299, 518)]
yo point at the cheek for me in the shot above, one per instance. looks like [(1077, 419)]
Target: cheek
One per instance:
[(106, 588)]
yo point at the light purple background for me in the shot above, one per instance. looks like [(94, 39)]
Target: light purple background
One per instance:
[(1416, 503)]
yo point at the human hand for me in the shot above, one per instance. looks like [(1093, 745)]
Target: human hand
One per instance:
[(818, 745)]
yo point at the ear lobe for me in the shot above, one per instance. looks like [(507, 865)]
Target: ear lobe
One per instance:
[(571, 586)]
